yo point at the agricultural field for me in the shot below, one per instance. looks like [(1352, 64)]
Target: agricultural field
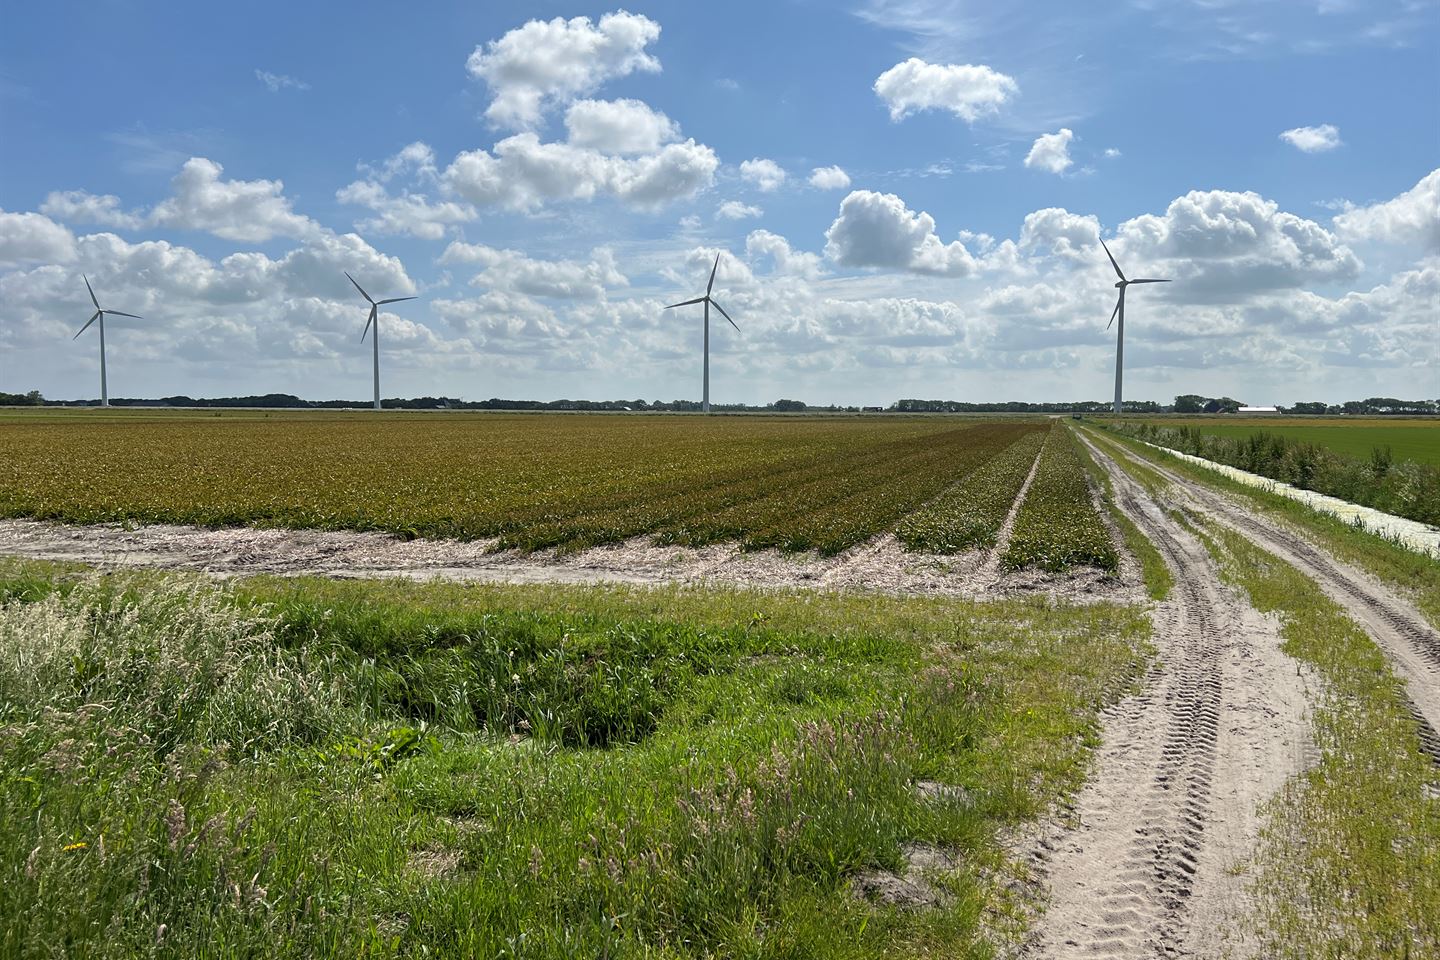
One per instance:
[(532, 482), (1408, 439)]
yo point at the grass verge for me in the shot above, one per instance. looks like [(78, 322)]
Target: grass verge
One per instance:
[(301, 768), (1349, 859)]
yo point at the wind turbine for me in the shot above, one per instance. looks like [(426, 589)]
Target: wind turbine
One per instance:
[(709, 302), (375, 306), (1120, 312), (99, 314)]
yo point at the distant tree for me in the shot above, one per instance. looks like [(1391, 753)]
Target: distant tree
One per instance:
[(31, 399), (1310, 407), (788, 406), (1190, 403)]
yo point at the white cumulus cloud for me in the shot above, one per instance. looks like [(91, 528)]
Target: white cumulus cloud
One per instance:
[(1313, 139), (1051, 151), (966, 90), (78, 206), (878, 230), (829, 178), (735, 210), (250, 211), (765, 174), (1411, 218), (619, 126), (523, 173), (33, 237), (515, 272), (548, 62)]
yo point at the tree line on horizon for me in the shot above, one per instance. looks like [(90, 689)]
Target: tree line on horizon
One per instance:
[(1185, 403)]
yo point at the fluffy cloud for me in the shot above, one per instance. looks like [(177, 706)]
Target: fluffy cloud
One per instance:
[(409, 213), (1227, 245), (788, 261), (32, 237), (619, 126), (77, 206), (829, 178), (1063, 233), (250, 211), (513, 271), (765, 174), (878, 230), (1412, 218), (547, 62), (523, 173), (1051, 152), (735, 210), (1313, 139), (968, 91)]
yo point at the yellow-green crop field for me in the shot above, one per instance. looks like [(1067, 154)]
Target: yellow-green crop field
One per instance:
[(534, 480)]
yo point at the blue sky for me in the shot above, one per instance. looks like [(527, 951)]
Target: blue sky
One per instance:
[(909, 193)]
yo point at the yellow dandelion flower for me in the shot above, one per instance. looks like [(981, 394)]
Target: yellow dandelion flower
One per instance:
[(75, 846)]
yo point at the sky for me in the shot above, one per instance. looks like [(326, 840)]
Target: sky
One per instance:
[(906, 196)]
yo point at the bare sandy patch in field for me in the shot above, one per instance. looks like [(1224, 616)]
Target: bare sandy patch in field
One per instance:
[(879, 565)]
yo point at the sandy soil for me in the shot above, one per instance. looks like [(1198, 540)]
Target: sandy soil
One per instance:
[(1394, 623), (880, 565), (1172, 804)]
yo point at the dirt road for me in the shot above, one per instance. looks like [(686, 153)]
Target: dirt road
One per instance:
[(1394, 623), (1183, 767)]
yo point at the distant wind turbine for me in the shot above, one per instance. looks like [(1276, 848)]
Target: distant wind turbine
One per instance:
[(374, 320), (1120, 312), (709, 302), (100, 315)]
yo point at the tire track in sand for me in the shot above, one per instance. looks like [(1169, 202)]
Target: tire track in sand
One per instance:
[(1396, 626), (1181, 771)]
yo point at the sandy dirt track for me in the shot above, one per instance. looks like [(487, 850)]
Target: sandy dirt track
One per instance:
[(1172, 805), (1393, 622), (880, 565)]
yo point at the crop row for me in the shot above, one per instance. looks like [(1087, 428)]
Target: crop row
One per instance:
[(1057, 526), (971, 513)]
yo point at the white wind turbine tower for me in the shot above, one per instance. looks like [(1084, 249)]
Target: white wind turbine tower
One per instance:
[(374, 320), (709, 302), (99, 314), (1120, 312)]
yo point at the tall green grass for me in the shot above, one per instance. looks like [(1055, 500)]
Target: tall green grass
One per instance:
[(300, 768)]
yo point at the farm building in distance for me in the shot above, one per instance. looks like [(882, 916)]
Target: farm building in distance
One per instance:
[(1259, 410)]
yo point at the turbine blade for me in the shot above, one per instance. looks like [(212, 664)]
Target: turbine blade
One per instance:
[(92, 291), (1112, 260), (709, 286), (396, 300), (724, 314), (1112, 315), (1150, 281), (87, 325), (117, 313), (368, 321), (358, 287), (687, 303)]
